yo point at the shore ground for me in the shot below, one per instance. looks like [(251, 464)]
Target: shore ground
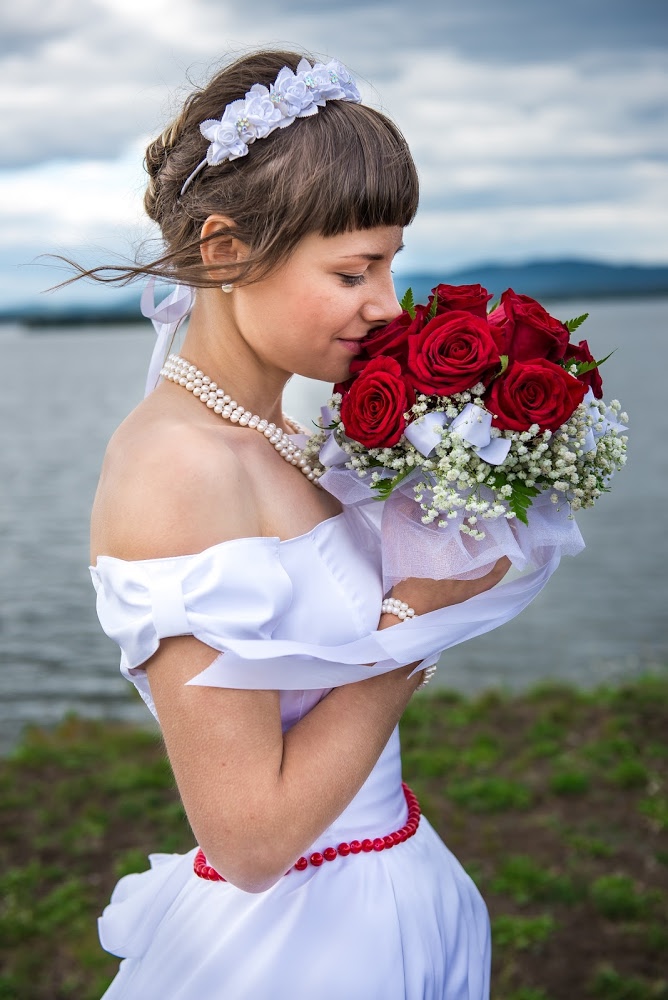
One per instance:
[(556, 802)]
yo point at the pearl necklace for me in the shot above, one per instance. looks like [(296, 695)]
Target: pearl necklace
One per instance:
[(181, 372)]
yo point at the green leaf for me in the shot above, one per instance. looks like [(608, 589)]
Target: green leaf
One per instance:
[(433, 308), (520, 499), (572, 324), (493, 306), (408, 303), (503, 358), (599, 363), (587, 366), (519, 512), (385, 486)]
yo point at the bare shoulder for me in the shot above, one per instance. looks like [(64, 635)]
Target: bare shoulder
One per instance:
[(169, 486)]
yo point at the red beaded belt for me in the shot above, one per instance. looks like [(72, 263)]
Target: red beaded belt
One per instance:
[(343, 850)]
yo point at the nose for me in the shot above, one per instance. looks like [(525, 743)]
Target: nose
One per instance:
[(382, 304)]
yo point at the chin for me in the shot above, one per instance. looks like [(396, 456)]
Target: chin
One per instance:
[(332, 373)]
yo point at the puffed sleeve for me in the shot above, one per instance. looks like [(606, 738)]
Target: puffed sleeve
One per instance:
[(235, 590)]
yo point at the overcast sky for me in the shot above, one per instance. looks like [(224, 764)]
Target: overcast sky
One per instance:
[(540, 130)]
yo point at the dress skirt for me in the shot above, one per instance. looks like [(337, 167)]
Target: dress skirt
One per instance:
[(406, 923)]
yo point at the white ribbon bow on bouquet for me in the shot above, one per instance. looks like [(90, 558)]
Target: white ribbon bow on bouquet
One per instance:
[(601, 424), (473, 425)]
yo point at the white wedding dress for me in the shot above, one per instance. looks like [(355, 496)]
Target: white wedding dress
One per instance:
[(406, 923)]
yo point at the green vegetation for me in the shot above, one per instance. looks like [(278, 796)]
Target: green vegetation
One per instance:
[(556, 802)]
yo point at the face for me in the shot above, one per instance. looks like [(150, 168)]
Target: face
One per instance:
[(309, 316)]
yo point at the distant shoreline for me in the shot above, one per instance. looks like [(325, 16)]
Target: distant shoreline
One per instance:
[(548, 281), (80, 319)]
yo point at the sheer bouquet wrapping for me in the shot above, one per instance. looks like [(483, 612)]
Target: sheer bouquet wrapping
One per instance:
[(482, 432)]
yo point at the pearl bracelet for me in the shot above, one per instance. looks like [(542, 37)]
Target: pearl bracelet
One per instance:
[(391, 606), (427, 675)]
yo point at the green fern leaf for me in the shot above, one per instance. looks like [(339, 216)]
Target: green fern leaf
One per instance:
[(520, 499), (385, 486), (408, 303), (587, 366), (572, 324)]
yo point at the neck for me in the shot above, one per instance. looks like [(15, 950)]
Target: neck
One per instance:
[(214, 344)]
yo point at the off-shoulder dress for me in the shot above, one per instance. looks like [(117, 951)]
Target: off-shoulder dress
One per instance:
[(298, 616)]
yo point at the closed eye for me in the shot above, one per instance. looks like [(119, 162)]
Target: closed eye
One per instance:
[(352, 279)]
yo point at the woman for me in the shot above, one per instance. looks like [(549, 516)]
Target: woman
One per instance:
[(204, 536)]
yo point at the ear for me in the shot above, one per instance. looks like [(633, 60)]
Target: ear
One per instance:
[(220, 251)]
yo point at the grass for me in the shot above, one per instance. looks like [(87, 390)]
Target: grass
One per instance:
[(555, 801)]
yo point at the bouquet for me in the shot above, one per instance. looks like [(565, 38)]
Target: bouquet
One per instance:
[(471, 422)]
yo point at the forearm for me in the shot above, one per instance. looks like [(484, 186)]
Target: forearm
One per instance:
[(326, 758), (329, 754)]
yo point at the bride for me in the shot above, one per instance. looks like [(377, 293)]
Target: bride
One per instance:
[(282, 200)]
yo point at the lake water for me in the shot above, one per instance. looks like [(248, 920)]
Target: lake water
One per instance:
[(601, 618)]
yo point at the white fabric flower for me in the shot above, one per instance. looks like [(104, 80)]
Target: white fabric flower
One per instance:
[(226, 142), (263, 109), (292, 94)]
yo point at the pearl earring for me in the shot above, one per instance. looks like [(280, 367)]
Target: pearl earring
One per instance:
[(227, 287)]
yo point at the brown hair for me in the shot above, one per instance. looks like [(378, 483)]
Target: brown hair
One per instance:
[(347, 167)]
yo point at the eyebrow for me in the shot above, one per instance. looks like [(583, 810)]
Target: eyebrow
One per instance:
[(370, 256)]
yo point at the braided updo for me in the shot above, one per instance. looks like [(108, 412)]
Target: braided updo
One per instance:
[(347, 167)]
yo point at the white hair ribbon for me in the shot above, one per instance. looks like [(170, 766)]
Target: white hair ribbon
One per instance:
[(166, 317)]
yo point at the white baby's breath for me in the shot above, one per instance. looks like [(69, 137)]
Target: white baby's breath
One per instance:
[(457, 486)]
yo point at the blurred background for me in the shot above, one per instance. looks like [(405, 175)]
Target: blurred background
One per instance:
[(540, 133)]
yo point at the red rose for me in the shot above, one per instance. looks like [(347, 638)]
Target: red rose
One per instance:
[(533, 392), (528, 330), (469, 298), (373, 410), (391, 341), (580, 352), (453, 352)]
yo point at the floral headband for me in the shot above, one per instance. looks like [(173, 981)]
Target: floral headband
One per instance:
[(263, 109)]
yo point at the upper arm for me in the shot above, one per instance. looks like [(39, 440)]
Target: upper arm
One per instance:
[(225, 747), (169, 490)]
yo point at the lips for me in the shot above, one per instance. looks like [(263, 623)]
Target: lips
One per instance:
[(354, 346)]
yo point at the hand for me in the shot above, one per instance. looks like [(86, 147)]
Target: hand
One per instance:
[(429, 595)]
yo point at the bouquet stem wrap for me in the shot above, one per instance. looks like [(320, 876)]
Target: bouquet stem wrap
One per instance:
[(411, 548)]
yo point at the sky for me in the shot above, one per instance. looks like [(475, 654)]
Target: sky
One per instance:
[(540, 130)]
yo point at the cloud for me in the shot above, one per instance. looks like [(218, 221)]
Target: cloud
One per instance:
[(549, 134), (83, 79), (533, 134)]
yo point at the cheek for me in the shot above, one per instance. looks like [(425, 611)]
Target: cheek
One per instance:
[(325, 311)]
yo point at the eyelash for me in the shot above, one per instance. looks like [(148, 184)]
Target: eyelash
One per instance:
[(351, 280)]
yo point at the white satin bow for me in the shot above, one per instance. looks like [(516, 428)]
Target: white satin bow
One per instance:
[(473, 425)]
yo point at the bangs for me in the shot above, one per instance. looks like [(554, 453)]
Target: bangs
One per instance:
[(366, 176), (347, 167)]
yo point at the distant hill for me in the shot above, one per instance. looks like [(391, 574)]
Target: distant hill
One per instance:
[(75, 314), (557, 279)]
